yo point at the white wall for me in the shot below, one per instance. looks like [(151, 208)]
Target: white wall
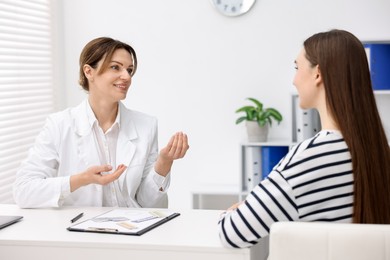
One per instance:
[(196, 66)]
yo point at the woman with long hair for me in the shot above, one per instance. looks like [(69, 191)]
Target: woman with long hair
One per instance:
[(342, 174)]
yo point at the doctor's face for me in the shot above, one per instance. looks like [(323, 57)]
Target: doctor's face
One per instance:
[(113, 83)]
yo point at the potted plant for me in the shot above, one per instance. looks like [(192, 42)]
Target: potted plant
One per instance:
[(258, 120)]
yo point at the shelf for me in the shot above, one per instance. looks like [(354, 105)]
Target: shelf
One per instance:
[(382, 92), (215, 189)]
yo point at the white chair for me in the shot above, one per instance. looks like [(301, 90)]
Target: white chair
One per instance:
[(328, 241)]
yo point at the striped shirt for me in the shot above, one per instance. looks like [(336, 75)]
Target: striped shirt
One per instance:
[(313, 182)]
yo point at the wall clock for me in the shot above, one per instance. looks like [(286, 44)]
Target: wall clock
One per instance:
[(233, 7)]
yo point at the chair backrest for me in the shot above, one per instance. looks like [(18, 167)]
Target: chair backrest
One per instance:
[(329, 241)]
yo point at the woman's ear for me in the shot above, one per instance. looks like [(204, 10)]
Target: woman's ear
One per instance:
[(88, 72), (318, 75)]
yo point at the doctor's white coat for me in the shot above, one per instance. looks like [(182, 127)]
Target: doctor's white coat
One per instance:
[(67, 146)]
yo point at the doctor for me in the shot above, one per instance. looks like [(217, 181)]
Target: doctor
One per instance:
[(99, 153)]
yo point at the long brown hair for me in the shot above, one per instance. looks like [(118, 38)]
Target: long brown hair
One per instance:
[(350, 99), (102, 48)]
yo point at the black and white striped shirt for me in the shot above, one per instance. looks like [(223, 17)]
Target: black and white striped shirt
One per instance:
[(313, 182)]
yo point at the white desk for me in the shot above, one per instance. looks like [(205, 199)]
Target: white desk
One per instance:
[(42, 234)]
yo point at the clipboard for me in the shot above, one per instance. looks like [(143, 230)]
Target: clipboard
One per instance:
[(125, 221)]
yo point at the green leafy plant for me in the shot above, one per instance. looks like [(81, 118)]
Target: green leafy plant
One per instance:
[(258, 113)]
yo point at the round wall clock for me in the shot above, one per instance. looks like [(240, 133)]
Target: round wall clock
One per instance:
[(233, 7)]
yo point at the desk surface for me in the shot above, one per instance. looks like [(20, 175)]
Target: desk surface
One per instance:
[(42, 233)]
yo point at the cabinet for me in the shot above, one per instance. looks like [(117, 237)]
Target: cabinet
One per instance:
[(382, 98), (378, 56), (215, 196), (306, 123)]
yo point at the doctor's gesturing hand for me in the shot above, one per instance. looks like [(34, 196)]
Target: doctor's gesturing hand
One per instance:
[(175, 149), (93, 175)]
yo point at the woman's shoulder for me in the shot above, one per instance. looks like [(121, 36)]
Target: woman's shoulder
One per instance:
[(324, 142), (321, 140)]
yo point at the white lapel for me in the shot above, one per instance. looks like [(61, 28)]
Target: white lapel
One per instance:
[(86, 144), (125, 149)]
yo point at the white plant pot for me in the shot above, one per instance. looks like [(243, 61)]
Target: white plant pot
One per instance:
[(255, 132)]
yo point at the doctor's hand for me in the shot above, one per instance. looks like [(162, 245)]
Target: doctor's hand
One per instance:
[(94, 175), (175, 149)]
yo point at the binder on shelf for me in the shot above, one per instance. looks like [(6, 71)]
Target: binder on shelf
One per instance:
[(270, 156), (306, 122), (378, 55), (251, 167)]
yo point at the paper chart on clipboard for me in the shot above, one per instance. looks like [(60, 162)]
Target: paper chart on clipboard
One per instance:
[(125, 221)]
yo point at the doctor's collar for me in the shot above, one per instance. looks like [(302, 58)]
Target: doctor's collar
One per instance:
[(92, 118)]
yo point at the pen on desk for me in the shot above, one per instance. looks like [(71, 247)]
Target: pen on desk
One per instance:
[(77, 217)]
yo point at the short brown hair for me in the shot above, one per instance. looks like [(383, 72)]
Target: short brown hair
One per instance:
[(98, 49)]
